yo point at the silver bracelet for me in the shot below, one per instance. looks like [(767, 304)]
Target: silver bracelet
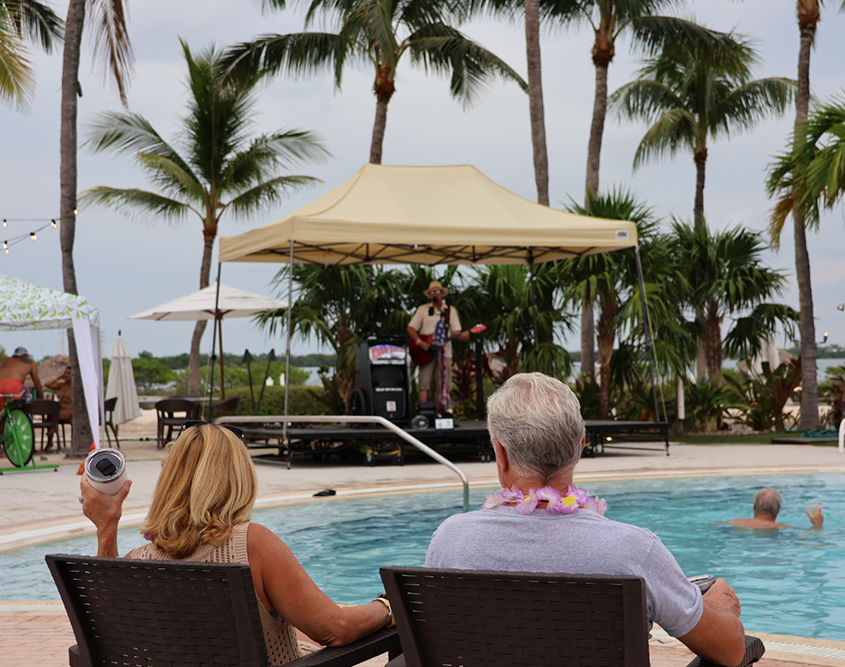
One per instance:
[(391, 621)]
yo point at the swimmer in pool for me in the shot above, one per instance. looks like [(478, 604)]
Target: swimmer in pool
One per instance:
[(767, 504)]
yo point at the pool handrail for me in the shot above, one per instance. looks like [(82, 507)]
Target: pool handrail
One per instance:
[(358, 419), (842, 437)]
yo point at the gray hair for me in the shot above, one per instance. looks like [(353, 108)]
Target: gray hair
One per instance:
[(537, 419), (768, 501)]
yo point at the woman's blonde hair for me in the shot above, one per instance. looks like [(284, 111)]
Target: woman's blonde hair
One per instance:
[(206, 487)]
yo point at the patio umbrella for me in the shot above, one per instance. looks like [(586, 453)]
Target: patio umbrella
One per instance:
[(203, 305), (122, 382)]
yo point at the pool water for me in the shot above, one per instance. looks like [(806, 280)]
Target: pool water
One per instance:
[(789, 581)]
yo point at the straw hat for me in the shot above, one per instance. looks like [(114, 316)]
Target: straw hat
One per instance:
[(436, 285)]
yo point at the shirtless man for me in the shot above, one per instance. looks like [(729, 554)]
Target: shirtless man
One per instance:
[(767, 504), (13, 373), (63, 384)]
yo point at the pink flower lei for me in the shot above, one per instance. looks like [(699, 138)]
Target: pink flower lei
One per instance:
[(558, 503)]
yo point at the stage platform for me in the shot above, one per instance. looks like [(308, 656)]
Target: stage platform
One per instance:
[(372, 444)]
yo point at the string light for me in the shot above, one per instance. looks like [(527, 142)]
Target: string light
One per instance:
[(32, 234)]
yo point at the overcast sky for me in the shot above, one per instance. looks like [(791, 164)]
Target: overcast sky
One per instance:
[(125, 266)]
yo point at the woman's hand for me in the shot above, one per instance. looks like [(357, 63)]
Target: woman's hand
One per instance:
[(104, 511)]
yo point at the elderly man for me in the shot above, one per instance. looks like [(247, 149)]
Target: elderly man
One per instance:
[(540, 523), (767, 504), (14, 371)]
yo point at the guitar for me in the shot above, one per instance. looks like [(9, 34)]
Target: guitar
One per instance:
[(420, 356)]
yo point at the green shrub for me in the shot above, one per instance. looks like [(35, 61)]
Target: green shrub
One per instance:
[(303, 400)]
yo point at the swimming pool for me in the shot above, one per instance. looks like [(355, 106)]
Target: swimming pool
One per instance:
[(790, 582)]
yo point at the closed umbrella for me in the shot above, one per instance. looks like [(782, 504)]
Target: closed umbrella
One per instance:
[(201, 306), (122, 382)]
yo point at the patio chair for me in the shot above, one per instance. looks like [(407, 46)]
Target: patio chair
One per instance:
[(140, 613), (45, 415), (227, 407), (481, 618), (171, 414), (108, 409)]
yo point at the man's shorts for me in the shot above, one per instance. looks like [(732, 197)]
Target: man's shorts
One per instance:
[(427, 374), (11, 390)]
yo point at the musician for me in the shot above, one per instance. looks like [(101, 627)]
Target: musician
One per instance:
[(422, 328)]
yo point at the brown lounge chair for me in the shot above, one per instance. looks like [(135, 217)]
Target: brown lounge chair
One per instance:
[(146, 613), (481, 618)]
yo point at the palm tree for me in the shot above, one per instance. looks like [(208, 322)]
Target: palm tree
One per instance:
[(609, 19), (341, 305), (726, 278), (808, 177), (381, 33), (609, 279), (214, 169), (695, 90), (19, 20), (808, 13), (112, 42)]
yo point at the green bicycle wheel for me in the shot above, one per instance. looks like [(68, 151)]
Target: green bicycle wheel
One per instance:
[(18, 438)]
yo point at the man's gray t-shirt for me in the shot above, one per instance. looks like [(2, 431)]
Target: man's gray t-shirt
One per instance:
[(581, 543)]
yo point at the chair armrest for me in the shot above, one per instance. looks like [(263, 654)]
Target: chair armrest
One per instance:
[(754, 650), (381, 641)]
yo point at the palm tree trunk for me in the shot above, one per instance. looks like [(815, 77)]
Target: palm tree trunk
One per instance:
[(82, 435), (700, 157), (713, 344), (588, 337), (808, 17), (209, 234), (535, 100), (605, 340), (383, 89)]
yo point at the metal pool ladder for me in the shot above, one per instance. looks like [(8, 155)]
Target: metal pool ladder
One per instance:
[(365, 419)]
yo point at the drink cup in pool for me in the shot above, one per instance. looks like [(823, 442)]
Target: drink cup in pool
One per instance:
[(106, 470)]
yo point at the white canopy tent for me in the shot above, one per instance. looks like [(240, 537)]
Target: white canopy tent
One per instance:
[(27, 307)]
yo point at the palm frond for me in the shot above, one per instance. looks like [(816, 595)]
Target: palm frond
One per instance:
[(749, 103), (173, 178), (653, 33), (136, 203), (111, 42), (673, 131), (269, 192), (444, 49), (34, 18), (296, 54), (16, 80)]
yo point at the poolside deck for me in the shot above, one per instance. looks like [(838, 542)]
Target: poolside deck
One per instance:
[(43, 505)]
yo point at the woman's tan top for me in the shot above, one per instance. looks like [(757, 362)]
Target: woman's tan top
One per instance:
[(279, 635)]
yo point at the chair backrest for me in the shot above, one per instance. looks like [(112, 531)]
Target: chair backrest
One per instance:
[(140, 612), (168, 407), (228, 406), (482, 618), (109, 405), (46, 409)]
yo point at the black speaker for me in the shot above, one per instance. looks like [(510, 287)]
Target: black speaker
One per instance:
[(383, 379)]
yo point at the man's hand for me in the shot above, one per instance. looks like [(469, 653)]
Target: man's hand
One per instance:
[(722, 597), (816, 516), (425, 344), (719, 636), (464, 335)]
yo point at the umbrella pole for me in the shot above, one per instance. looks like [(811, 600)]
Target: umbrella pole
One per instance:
[(287, 345), (534, 310), (222, 371), (213, 345), (647, 332)]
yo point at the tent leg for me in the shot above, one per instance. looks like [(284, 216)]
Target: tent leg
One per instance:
[(210, 413), (287, 345), (647, 333), (534, 311)]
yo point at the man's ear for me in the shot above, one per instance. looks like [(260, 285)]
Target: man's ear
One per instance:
[(584, 441), (501, 454)]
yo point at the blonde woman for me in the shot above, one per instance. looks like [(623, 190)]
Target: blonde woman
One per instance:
[(201, 512)]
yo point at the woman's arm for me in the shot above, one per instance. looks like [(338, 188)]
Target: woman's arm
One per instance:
[(104, 511), (283, 584)]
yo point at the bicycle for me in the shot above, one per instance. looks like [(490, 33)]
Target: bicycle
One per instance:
[(16, 432)]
